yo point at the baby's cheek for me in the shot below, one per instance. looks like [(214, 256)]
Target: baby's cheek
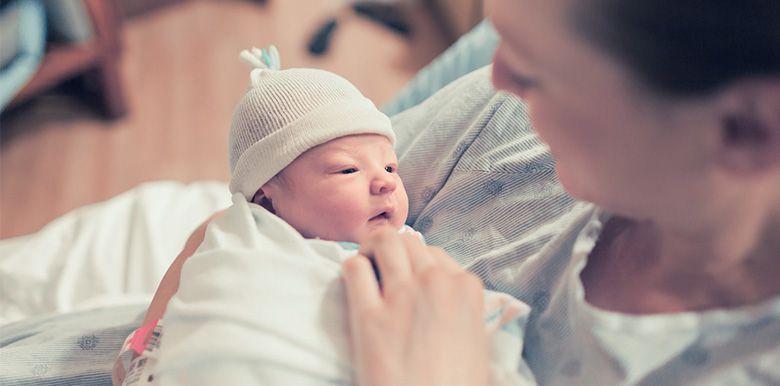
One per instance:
[(399, 221), (348, 224), (402, 211)]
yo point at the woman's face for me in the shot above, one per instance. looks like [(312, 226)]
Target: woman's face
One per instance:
[(615, 144)]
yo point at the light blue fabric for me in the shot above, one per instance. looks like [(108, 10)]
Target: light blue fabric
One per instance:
[(472, 51), (9, 33), (32, 42), (78, 348), (69, 21), (480, 183)]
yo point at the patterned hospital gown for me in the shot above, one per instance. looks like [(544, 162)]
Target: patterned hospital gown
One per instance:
[(494, 203)]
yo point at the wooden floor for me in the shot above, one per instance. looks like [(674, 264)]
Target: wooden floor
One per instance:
[(182, 78)]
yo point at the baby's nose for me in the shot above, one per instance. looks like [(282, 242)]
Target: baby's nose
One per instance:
[(383, 184)]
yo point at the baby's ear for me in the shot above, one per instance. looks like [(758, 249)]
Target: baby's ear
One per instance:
[(260, 199)]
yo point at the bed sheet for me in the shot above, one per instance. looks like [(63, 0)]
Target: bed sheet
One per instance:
[(111, 253)]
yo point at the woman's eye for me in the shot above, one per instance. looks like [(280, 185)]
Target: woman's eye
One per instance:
[(349, 171), (389, 169), (524, 82), (511, 80)]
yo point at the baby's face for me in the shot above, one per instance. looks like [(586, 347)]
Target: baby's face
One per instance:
[(342, 189)]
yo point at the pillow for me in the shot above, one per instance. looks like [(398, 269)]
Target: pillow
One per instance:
[(470, 52), (9, 33), (23, 42), (68, 21)]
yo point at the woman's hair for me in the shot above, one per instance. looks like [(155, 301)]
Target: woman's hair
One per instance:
[(685, 47)]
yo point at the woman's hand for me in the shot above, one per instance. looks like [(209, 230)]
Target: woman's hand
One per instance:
[(424, 326)]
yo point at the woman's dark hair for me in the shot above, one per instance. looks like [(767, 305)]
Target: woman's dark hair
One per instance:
[(686, 47)]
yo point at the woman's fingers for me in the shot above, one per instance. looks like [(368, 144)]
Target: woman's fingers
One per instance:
[(441, 257), (388, 251), (425, 326), (362, 287), (399, 257), (420, 255)]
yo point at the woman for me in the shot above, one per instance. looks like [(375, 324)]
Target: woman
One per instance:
[(667, 118)]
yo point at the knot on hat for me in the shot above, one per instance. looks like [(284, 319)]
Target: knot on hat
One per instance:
[(262, 58)]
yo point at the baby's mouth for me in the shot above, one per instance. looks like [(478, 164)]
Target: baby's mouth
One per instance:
[(381, 216)]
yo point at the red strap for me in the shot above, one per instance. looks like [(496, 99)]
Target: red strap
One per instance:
[(141, 337)]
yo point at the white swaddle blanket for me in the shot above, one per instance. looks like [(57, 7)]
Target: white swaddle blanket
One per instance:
[(259, 304)]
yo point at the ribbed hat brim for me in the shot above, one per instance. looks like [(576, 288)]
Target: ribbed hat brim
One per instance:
[(265, 158)]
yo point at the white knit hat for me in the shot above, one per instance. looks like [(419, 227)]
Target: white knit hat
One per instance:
[(286, 112)]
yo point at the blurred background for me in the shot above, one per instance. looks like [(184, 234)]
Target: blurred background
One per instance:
[(98, 96)]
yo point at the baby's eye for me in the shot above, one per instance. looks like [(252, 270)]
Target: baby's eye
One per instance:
[(349, 171), (390, 169)]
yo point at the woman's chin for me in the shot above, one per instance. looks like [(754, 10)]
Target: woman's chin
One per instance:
[(581, 189), (573, 186), (578, 189)]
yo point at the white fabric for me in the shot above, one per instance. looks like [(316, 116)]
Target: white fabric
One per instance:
[(110, 253), (259, 304), (286, 112)]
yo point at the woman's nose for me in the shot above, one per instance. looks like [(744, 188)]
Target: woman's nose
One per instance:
[(383, 184)]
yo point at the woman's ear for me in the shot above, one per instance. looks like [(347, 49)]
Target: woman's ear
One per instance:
[(261, 199), (750, 128)]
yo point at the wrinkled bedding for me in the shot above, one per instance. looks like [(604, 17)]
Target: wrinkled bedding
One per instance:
[(71, 292), (106, 254)]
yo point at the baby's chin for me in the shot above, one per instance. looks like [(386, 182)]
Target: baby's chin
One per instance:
[(355, 236), (360, 233), (360, 236)]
